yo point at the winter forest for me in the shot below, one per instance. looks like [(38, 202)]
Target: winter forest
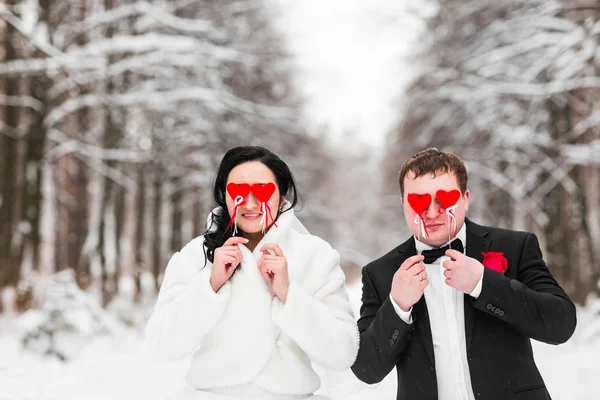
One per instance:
[(114, 115)]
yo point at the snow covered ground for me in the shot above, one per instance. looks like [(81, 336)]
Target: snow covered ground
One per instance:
[(119, 368)]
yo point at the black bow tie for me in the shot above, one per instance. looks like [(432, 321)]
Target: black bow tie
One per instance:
[(434, 254)]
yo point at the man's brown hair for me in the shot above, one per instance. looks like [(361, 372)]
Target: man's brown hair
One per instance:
[(434, 161)]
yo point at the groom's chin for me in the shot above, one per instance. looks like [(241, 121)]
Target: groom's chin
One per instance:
[(434, 243), (436, 239)]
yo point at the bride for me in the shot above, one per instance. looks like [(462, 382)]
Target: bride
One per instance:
[(256, 300)]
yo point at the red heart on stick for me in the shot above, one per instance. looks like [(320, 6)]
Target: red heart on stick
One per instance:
[(419, 202), (236, 190), (447, 199), (263, 192)]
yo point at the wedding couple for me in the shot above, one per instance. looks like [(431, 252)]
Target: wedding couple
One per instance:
[(257, 300)]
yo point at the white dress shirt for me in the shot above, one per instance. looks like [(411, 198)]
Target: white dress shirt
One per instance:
[(447, 318)]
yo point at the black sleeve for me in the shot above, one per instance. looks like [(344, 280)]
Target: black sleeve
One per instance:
[(535, 304), (383, 335)]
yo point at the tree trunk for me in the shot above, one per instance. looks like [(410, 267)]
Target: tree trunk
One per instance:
[(156, 228), (139, 240), (32, 193), (177, 216), (111, 139), (9, 264)]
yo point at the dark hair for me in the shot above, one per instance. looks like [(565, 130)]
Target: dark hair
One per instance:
[(434, 161), (216, 232)]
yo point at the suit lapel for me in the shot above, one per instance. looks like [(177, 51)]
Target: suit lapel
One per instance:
[(423, 326), (478, 241), (420, 312)]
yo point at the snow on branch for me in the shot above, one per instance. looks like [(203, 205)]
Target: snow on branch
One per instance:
[(22, 101), (165, 18), (534, 89), (158, 14), (139, 63), (34, 66), (76, 146), (215, 100), (155, 41), (582, 154), (102, 18), (592, 121)]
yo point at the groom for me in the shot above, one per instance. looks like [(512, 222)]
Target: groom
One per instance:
[(455, 306)]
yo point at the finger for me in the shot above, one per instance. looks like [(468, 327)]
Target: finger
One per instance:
[(259, 264), (226, 258), (234, 240), (420, 276), (272, 266), (448, 274), (262, 269), (231, 246), (239, 257), (424, 283), (449, 264), (416, 269), (269, 257), (229, 261), (454, 254), (266, 272), (273, 247), (410, 261), (231, 252)]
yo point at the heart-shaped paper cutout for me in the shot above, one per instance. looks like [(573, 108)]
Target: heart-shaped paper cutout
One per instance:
[(419, 202), (263, 192), (235, 190), (447, 199)]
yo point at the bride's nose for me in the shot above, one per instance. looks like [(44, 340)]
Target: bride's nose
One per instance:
[(252, 202)]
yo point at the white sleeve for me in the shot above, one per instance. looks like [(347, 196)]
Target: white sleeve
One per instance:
[(187, 307), (405, 316), (477, 290), (322, 324)]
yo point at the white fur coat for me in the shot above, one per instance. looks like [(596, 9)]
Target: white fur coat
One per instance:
[(244, 333)]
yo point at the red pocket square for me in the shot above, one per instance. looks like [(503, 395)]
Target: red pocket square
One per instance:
[(495, 261)]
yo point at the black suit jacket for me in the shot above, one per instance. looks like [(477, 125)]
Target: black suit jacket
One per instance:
[(525, 302)]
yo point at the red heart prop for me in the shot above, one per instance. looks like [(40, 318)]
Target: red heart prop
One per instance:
[(419, 202), (235, 190), (447, 199), (263, 192)]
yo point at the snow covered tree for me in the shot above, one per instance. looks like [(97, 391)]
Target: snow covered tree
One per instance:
[(115, 116), (512, 87)]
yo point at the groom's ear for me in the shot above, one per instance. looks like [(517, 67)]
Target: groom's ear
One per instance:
[(467, 196)]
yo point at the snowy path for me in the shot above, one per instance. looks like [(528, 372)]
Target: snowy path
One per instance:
[(120, 369)]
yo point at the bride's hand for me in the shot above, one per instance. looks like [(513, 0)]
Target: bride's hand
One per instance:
[(273, 266), (226, 260)]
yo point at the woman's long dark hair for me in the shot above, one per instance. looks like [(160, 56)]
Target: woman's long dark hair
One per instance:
[(216, 233)]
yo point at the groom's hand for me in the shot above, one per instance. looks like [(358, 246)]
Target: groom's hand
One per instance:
[(462, 272), (409, 282)]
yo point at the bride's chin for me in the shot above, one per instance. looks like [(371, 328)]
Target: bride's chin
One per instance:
[(250, 228)]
